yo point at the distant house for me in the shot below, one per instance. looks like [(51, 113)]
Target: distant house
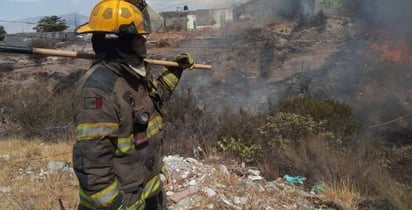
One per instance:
[(214, 18), (174, 20), (194, 20)]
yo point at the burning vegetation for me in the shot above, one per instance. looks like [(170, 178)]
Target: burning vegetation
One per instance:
[(397, 51)]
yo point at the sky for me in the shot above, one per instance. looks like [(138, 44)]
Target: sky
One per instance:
[(12, 10)]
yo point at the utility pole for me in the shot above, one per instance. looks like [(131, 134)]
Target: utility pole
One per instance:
[(75, 19)]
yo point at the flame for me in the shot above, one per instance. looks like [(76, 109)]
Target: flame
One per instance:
[(397, 51)]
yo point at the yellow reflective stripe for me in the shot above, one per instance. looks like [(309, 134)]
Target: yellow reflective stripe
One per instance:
[(151, 187), (165, 172), (139, 204), (155, 84), (86, 131), (85, 200), (106, 196), (124, 145), (170, 79), (155, 125)]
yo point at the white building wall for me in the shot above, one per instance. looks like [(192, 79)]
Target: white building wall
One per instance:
[(222, 16), (191, 22), (211, 18)]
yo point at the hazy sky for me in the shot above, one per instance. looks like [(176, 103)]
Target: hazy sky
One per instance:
[(17, 9)]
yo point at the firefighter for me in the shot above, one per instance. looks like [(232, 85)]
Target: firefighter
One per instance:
[(118, 113)]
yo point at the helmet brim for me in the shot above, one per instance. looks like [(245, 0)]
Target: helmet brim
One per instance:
[(85, 28)]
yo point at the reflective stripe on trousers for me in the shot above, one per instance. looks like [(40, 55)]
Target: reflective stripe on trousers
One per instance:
[(102, 198), (151, 187)]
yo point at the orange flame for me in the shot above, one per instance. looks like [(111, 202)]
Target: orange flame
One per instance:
[(393, 51)]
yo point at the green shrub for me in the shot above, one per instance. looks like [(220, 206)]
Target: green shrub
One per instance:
[(246, 150), (283, 131), (338, 116), (291, 128)]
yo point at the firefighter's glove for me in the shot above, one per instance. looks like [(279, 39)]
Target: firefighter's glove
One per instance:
[(185, 61)]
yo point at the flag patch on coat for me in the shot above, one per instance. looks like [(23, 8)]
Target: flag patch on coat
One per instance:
[(93, 102)]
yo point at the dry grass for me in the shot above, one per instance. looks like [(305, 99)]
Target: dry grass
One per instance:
[(342, 193), (20, 174)]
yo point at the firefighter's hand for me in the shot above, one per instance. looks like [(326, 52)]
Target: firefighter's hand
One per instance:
[(185, 61)]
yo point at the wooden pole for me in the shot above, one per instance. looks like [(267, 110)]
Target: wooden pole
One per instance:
[(75, 54)]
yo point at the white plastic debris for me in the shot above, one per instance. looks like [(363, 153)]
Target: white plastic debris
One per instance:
[(6, 157), (5, 189)]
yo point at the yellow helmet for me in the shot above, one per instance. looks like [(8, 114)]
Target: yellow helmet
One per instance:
[(114, 16)]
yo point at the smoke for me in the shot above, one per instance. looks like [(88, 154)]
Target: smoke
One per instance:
[(351, 74), (306, 7), (222, 4), (393, 16)]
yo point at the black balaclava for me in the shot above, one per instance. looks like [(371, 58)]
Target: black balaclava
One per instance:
[(119, 48), (122, 50)]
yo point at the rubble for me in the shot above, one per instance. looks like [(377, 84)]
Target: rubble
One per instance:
[(194, 184)]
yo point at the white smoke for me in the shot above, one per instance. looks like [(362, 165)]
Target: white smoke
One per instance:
[(222, 4), (306, 8)]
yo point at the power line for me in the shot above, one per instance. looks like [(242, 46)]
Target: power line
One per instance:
[(179, 4), (391, 121), (13, 21), (38, 23)]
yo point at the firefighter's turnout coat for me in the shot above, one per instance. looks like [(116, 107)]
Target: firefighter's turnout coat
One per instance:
[(118, 117)]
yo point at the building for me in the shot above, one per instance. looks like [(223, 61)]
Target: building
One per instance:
[(194, 20), (210, 18), (174, 20)]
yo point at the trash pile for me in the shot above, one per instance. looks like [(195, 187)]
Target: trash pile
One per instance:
[(194, 184)]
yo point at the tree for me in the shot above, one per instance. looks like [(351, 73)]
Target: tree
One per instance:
[(51, 24), (2, 33)]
